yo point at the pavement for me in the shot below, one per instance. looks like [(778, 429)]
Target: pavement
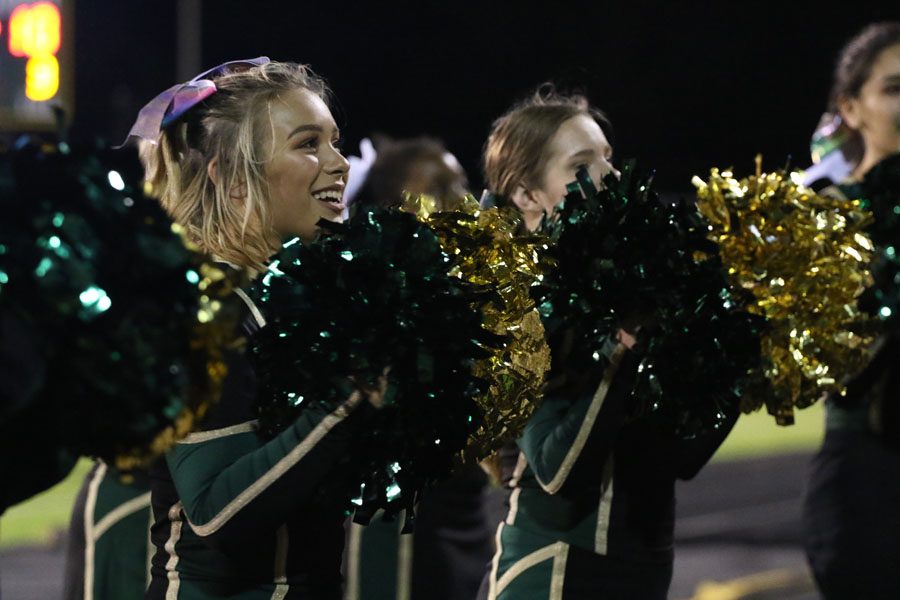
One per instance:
[(738, 532)]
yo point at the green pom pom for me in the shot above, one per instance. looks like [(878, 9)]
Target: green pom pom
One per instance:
[(375, 293), (626, 259), (95, 270)]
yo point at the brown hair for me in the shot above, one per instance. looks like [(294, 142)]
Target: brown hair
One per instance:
[(853, 68), (515, 152), (232, 127), (397, 161)]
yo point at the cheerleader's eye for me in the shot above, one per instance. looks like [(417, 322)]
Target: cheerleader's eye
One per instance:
[(310, 143)]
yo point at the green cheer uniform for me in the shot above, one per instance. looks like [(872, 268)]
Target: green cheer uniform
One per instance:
[(851, 521), (240, 517), (592, 502), (109, 537)]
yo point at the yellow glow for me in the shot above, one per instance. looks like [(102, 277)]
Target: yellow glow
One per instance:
[(19, 29), (41, 77), (35, 29)]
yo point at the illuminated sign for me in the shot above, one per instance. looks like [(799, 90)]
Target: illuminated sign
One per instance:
[(35, 29), (35, 63), (41, 77)]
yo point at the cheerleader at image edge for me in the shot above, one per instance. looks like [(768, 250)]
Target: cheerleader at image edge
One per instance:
[(851, 516)]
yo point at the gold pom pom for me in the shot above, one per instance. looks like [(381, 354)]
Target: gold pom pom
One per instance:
[(492, 254), (800, 260), (214, 332)]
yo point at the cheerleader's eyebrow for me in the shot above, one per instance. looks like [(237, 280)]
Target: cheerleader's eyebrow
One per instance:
[(583, 153), (312, 127), (302, 128)]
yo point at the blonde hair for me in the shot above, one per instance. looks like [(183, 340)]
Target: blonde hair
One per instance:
[(515, 153), (230, 127)]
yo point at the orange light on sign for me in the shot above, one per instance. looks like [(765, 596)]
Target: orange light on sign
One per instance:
[(19, 22), (41, 77), (35, 29)]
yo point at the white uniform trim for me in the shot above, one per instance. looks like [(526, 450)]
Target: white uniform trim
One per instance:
[(120, 512), (257, 315), (521, 463), (90, 505), (176, 523), (601, 537), (555, 484), (281, 554), (277, 470), (558, 577), (204, 436), (351, 591), (495, 563), (151, 549), (556, 551)]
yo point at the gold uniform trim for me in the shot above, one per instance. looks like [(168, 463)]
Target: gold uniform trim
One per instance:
[(120, 512), (277, 470), (601, 535), (213, 434), (174, 537), (558, 552), (555, 484), (90, 505)]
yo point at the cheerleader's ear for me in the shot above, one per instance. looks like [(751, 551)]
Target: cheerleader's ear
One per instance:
[(525, 200), (238, 190), (849, 109), (212, 170)]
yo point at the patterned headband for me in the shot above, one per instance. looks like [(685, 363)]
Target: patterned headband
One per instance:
[(173, 103)]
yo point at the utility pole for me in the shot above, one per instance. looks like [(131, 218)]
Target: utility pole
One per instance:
[(188, 38)]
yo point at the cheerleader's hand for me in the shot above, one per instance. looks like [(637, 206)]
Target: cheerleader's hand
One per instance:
[(636, 331), (626, 338), (375, 394)]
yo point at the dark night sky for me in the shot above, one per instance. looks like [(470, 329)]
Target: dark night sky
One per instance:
[(688, 85)]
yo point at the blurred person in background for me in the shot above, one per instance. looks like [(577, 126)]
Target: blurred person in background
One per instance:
[(443, 559), (108, 547), (417, 166)]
